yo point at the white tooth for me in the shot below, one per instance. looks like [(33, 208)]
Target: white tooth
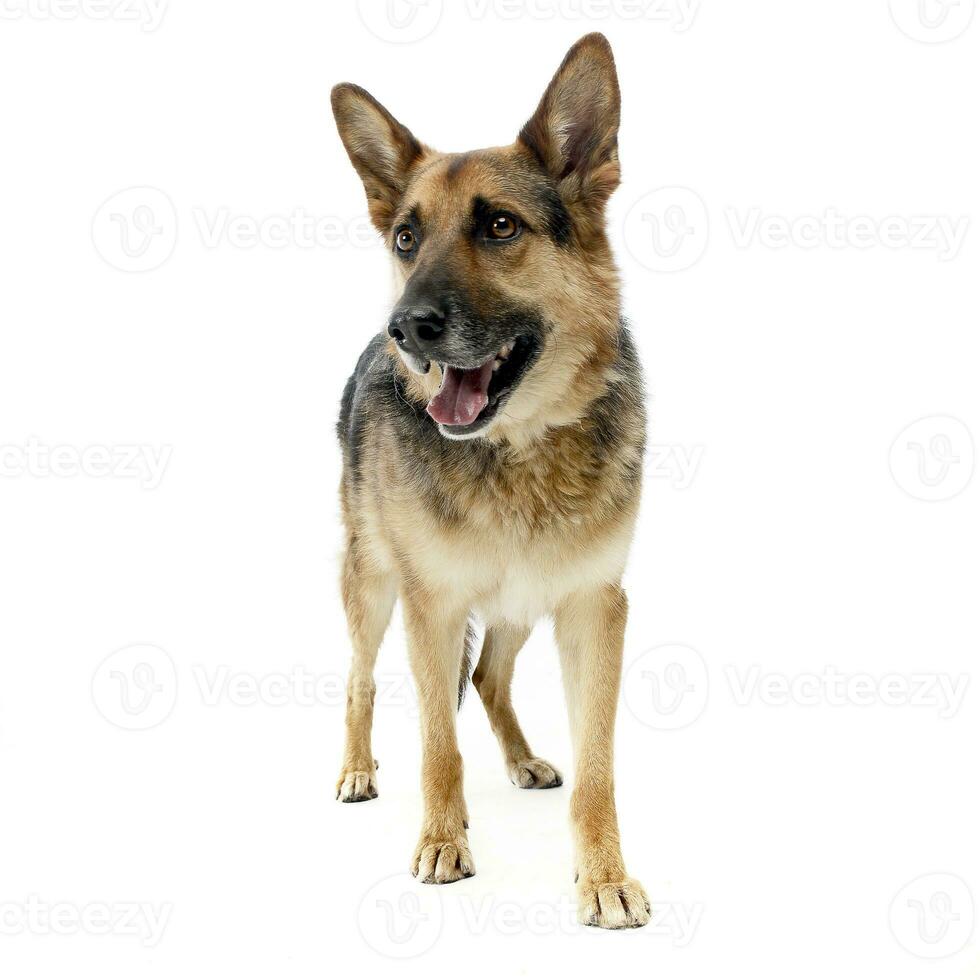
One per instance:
[(497, 363)]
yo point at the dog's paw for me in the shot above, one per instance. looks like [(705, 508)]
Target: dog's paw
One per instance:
[(357, 785), (613, 904), (439, 861), (534, 774)]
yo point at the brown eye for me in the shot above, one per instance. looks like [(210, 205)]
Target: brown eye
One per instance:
[(405, 240), (503, 226)]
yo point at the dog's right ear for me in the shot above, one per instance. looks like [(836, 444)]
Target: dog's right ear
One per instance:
[(382, 150)]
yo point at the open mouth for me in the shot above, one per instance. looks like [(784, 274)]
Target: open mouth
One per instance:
[(468, 398)]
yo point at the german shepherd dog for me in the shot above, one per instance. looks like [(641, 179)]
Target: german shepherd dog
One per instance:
[(493, 438)]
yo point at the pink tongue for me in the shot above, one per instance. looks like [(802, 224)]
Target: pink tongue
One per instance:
[(462, 396)]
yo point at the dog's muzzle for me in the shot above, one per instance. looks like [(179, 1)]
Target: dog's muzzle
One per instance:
[(418, 332)]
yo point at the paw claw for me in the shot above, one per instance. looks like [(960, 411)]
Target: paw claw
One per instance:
[(534, 774), (442, 862), (613, 904), (356, 786)]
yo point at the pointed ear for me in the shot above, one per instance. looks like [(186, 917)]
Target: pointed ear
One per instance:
[(382, 150), (573, 132)]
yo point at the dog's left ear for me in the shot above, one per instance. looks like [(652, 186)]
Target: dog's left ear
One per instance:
[(382, 150), (573, 132)]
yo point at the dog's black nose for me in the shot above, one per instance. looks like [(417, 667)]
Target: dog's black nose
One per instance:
[(417, 329)]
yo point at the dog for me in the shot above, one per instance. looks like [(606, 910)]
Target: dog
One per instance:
[(493, 436)]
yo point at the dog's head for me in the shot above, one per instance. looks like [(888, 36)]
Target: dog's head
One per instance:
[(508, 304)]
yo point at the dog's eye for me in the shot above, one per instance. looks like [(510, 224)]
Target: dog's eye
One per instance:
[(405, 240), (503, 226)]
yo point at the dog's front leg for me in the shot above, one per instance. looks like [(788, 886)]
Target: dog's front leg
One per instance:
[(436, 636), (589, 628)]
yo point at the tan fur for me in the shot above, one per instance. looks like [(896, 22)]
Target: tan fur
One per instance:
[(492, 678), (582, 286), (544, 526)]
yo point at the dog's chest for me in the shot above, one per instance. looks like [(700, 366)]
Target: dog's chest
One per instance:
[(526, 582), (512, 533), (527, 537)]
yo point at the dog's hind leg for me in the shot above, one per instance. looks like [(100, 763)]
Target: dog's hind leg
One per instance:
[(369, 596), (492, 679)]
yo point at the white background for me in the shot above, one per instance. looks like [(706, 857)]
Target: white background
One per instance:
[(790, 832)]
